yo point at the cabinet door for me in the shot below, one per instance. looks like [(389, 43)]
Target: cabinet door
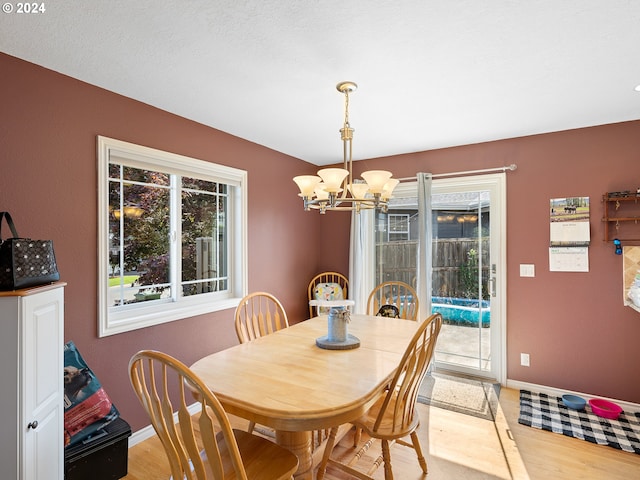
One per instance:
[(42, 386)]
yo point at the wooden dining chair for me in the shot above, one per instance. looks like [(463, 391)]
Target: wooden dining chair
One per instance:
[(394, 415), (400, 295), (259, 314), (327, 278), (163, 385)]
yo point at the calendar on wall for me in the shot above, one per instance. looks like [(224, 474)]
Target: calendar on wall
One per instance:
[(569, 234)]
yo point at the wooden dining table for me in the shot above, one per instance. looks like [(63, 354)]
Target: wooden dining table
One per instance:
[(287, 382)]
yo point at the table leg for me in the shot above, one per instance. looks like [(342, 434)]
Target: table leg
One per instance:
[(300, 444)]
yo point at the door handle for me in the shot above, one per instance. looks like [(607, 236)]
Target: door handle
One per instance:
[(33, 425), (493, 286)]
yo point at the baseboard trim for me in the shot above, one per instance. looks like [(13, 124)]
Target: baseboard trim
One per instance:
[(148, 431), (532, 387)]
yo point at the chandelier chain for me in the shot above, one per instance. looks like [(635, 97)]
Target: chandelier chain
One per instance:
[(346, 131), (346, 107)]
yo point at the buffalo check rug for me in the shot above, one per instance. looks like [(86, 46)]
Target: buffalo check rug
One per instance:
[(545, 412)]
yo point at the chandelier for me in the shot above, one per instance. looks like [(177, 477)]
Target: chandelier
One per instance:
[(335, 188)]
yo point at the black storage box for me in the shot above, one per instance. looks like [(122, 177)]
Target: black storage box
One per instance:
[(103, 456)]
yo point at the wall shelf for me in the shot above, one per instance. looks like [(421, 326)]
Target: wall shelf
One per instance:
[(621, 216)]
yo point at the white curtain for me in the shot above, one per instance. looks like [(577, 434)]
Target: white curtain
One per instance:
[(425, 246), (362, 270)]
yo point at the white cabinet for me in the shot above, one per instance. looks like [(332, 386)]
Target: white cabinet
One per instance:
[(31, 383)]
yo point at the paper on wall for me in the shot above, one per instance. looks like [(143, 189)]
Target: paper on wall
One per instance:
[(569, 222), (568, 259)]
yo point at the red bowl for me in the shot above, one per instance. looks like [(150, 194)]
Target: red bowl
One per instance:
[(605, 409)]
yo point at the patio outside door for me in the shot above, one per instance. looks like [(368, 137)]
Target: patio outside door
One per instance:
[(468, 267)]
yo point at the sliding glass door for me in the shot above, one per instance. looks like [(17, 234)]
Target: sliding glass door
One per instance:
[(468, 263)]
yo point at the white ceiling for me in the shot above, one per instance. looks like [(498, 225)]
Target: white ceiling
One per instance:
[(431, 73)]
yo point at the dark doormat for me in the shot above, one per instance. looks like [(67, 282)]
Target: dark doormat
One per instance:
[(545, 412), (463, 395)]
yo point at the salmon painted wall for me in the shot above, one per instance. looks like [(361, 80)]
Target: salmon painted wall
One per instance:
[(48, 182), (574, 326)]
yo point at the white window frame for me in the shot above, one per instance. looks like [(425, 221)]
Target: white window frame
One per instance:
[(397, 232), (112, 320)]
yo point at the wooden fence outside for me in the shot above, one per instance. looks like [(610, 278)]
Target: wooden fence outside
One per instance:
[(397, 261)]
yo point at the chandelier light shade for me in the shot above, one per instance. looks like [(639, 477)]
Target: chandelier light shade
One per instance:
[(335, 188), (388, 188), (332, 178), (376, 179), (307, 184)]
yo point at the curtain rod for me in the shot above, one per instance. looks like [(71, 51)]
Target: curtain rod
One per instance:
[(511, 168)]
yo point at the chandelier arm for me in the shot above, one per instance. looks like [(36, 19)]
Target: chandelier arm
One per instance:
[(339, 204)]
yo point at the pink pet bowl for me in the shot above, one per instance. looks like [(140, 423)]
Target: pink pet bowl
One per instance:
[(604, 408)]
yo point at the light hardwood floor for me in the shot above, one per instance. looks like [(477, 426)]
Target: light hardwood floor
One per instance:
[(462, 447)]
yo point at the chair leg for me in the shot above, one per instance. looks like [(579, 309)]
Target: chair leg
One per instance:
[(327, 453), (319, 436), (252, 425), (386, 456), (418, 449), (356, 436)]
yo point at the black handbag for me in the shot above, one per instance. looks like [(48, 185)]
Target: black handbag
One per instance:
[(25, 262)]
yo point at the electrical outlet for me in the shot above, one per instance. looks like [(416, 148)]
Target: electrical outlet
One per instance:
[(524, 359)]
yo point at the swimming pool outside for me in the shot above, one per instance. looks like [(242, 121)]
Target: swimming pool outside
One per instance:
[(462, 311)]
